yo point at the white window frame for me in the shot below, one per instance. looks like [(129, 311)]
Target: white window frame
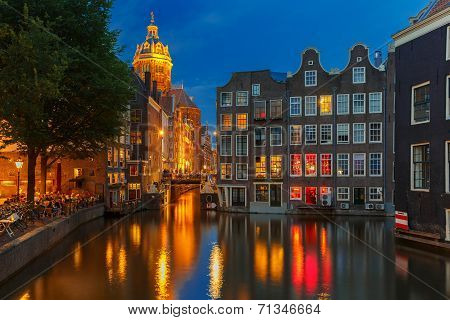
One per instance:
[(236, 145), (315, 129), (338, 194), (448, 45), (270, 108), (290, 165), (376, 192), (447, 170), (314, 98), (256, 85), (221, 149), (381, 132), (447, 90), (331, 159), (347, 125), (331, 105), (353, 133), (412, 103), (380, 94), (281, 136), (365, 165), (221, 100), (254, 137), (246, 171), (310, 175), (364, 103), (268, 191), (254, 109), (241, 105), (290, 193), (231, 166), (411, 166), (331, 131), (355, 69), (381, 165), (282, 166), (348, 165), (338, 111), (291, 103), (290, 134), (246, 123), (308, 73)]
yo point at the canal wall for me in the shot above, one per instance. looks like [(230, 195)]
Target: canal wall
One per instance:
[(19, 252)]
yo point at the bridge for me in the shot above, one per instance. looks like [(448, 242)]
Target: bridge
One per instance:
[(185, 181)]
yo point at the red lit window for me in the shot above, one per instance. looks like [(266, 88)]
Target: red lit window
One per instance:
[(326, 164), (311, 195), (296, 193), (311, 165), (296, 165)]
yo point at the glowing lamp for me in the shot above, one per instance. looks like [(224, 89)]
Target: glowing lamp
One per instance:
[(19, 163)]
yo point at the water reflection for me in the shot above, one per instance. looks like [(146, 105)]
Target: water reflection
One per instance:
[(182, 253)]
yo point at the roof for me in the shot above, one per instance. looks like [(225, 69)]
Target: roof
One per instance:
[(432, 8), (181, 97)]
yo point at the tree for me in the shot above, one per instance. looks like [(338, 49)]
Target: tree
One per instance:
[(83, 86)]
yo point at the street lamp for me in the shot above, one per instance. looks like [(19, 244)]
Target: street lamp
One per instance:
[(19, 165)]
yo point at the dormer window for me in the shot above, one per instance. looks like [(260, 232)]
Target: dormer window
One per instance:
[(358, 59), (311, 78), (256, 90), (310, 63)]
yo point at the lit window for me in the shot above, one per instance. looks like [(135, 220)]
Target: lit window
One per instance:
[(225, 146), (375, 194), (310, 165), (260, 167), (296, 193), (375, 164), (359, 103), (343, 104), (375, 135), (326, 134), (296, 134), (260, 137), (134, 191), (311, 106), (311, 78), (447, 167), (262, 193), (276, 111), (310, 134), (241, 98), (238, 197), (276, 167), (260, 110), (421, 103), (311, 195), (343, 194), (296, 165), (133, 170), (343, 164), (276, 136), (326, 106), (359, 164), (241, 146), (343, 133), (326, 165), (226, 171), (241, 171), (136, 137), (226, 120), (296, 106), (226, 99), (359, 133), (241, 121), (375, 102), (77, 172), (256, 90), (421, 167), (136, 116), (359, 75)]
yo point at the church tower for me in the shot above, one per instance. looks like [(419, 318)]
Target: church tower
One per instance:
[(154, 57)]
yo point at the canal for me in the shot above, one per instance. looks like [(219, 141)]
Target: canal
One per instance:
[(183, 253)]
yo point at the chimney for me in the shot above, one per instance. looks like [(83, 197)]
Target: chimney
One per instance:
[(147, 81), (154, 89), (378, 58)]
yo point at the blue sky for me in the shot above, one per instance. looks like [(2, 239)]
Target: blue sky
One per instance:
[(210, 39)]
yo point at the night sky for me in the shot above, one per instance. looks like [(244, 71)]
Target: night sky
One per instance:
[(210, 39)]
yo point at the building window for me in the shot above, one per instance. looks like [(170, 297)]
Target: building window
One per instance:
[(326, 165), (343, 133), (242, 121), (296, 193), (134, 170), (241, 171), (260, 167), (375, 102), (242, 99), (276, 167), (296, 134), (311, 78), (136, 137), (296, 165), (77, 172), (311, 106), (226, 99), (256, 90), (241, 146), (375, 194), (359, 164), (276, 110), (343, 104), (276, 136), (311, 195), (375, 133), (260, 110), (238, 197), (359, 75), (359, 103), (447, 99), (262, 193), (421, 167), (226, 171), (326, 105), (296, 106), (326, 134), (226, 121), (359, 133), (134, 191), (343, 164), (311, 134), (447, 167), (260, 137), (136, 115), (225, 146), (421, 103), (343, 194), (375, 164), (310, 165)]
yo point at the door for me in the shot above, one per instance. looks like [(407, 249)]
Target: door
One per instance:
[(359, 196), (275, 195)]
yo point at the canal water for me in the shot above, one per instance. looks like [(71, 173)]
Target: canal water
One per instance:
[(183, 253)]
